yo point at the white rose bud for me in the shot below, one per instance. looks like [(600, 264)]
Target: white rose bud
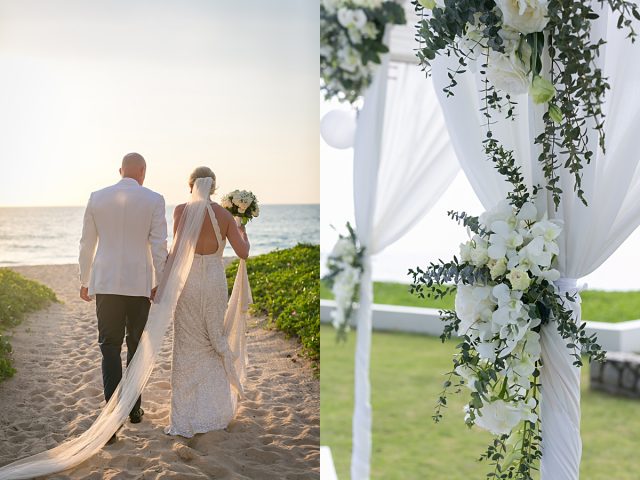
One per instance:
[(497, 267), (519, 279)]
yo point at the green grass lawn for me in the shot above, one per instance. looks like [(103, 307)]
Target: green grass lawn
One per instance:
[(406, 376), (597, 305)]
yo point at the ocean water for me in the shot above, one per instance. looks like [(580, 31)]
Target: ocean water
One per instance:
[(50, 235)]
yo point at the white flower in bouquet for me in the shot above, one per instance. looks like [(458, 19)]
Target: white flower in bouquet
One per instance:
[(519, 279), (344, 284), (226, 203), (502, 211), (479, 253), (473, 304), (526, 16), (509, 71), (503, 239), (352, 18), (344, 249), (549, 230), (467, 374), (535, 254), (487, 350), (370, 30), (349, 59), (500, 417), (497, 267)]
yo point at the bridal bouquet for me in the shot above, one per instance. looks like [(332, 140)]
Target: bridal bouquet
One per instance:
[(351, 41), (504, 295), (241, 204), (345, 270), (542, 48)]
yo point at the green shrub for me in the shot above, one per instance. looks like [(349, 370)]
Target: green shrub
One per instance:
[(286, 288), (18, 297)]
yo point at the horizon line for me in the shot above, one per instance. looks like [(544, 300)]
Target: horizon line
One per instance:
[(167, 204)]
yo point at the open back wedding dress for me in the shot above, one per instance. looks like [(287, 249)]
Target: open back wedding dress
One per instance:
[(177, 271), (204, 381)]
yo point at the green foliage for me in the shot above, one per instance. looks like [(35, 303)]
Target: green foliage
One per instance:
[(286, 288), (574, 108), (18, 297)]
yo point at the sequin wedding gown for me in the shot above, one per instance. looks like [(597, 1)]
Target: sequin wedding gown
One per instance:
[(202, 397)]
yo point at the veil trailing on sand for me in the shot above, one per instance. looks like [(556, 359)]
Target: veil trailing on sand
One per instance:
[(77, 450)]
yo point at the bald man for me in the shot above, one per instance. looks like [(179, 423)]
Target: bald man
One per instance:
[(123, 251)]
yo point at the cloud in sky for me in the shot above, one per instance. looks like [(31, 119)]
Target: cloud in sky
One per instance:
[(231, 85)]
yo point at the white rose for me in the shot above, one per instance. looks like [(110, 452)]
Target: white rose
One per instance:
[(497, 267), (508, 72), (519, 279), (479, 254), (526, 16)]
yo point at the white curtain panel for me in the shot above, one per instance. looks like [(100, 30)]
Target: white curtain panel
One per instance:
[(403, 162), (590, 234)]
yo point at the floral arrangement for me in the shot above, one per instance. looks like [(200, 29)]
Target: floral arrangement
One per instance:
[(542, 48), (504, 295), (351, 42), (345, 271), (242, 204)]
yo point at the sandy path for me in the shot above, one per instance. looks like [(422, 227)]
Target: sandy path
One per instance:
[(57, 392)]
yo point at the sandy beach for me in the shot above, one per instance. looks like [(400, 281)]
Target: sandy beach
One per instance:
[(57, 392)]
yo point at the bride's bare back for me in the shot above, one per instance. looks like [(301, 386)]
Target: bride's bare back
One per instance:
[(207, 243)]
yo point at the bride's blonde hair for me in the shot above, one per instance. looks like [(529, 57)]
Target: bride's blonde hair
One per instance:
[(202, 172)]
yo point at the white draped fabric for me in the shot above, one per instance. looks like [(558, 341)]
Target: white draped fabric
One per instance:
[(77, 450), (403, 162), (590, 234)]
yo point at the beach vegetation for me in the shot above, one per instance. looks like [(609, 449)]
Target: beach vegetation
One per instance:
[(18, 297), (286, 289)]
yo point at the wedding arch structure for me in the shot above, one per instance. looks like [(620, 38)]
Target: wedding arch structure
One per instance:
[(403, 161), (401, 143)]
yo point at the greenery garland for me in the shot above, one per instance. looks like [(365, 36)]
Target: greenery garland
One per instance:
[(351, 42), (505, 41)]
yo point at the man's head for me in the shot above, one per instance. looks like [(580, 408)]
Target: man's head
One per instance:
[(133, 166)]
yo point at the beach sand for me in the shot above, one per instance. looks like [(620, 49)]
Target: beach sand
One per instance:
[(57, 392)]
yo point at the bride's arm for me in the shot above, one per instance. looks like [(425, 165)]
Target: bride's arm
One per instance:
[(237, 235)]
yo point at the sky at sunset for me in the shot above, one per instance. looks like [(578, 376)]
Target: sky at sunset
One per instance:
[(230, 85)]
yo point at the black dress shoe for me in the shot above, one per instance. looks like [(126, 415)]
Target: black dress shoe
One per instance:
[(136, 416), (112, 440)]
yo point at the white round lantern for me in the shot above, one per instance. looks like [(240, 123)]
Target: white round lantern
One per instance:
[(338, 128)]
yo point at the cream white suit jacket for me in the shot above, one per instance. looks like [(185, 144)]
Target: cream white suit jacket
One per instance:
[(124, 240)]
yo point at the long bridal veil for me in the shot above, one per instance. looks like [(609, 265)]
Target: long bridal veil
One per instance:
[(76, 450)]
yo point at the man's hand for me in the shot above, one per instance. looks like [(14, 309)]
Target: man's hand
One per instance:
[(84, 294), (154, 290)]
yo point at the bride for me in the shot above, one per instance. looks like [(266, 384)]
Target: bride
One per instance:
[(204, 382), (209, 356)]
